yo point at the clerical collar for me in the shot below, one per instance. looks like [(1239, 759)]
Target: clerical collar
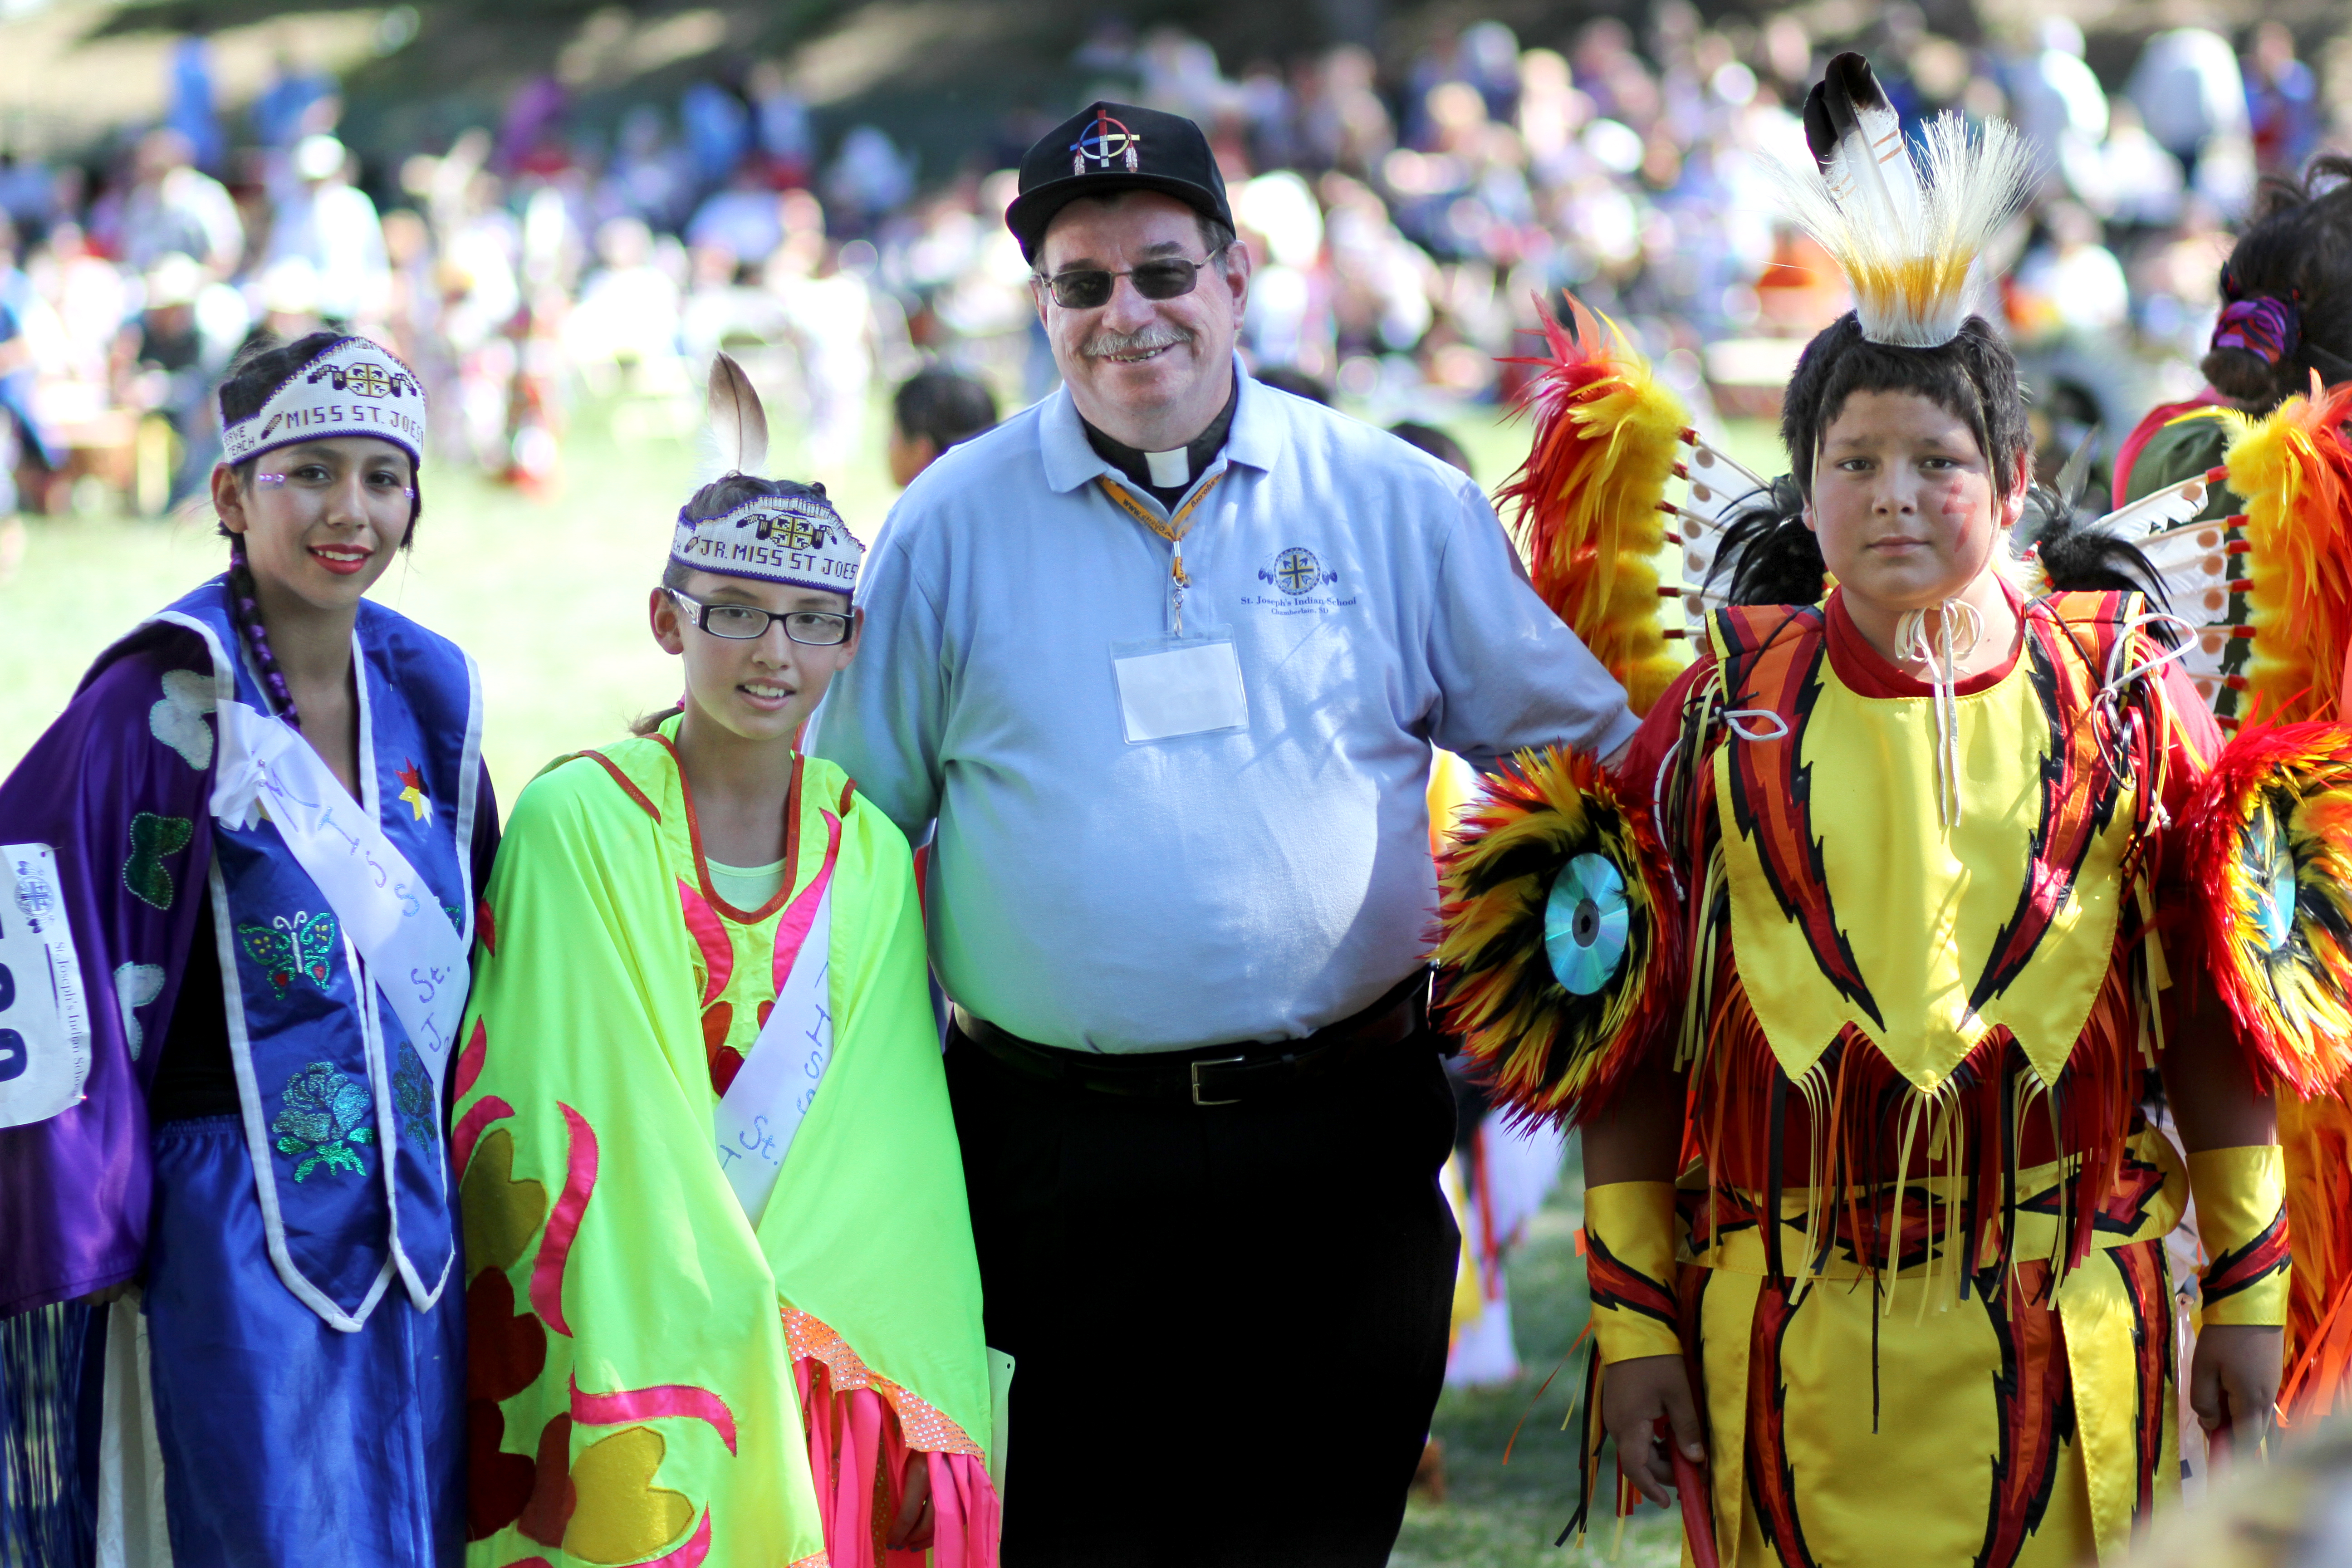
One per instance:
[(1166, 475)]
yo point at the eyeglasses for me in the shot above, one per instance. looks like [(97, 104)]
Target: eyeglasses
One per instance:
[(1088, 288), (741, 623)]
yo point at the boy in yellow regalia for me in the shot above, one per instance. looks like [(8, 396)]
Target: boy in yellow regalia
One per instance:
[(1858, 969)]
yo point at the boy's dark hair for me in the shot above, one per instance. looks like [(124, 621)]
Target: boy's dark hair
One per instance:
[(1768, 553), (946, 406), (261, 366), (716, 498), (1429, 438), (1290, 378), (2298, 252)]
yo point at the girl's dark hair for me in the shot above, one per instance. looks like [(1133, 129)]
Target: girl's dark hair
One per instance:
[(2298, 251), (1768, 555), (716, 498), (261, 366)]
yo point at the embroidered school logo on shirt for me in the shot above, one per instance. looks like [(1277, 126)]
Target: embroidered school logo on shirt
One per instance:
[(1295, 571), (1303, 583), (1104, 142)]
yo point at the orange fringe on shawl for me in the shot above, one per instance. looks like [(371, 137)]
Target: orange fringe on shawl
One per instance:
[(2279, 797), (2294, 469), (1552, 1054), (2317, 1135), (1587, 500)]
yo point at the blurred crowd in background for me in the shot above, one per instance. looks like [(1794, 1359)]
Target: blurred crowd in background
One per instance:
[(1403, 224)]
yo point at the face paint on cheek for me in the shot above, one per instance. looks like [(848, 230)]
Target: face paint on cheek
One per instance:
[(270, 479)]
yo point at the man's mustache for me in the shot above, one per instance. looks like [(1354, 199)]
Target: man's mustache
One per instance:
[(1105, 344)]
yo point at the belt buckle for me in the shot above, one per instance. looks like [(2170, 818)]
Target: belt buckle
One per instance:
[(1213, 1062)]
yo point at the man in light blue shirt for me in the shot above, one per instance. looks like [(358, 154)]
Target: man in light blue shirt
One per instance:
[(1163, 660)]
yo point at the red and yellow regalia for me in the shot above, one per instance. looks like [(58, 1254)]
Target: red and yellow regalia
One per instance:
[(1911, 956)]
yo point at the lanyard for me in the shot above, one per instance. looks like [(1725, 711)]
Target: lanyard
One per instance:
[(1174, 530)]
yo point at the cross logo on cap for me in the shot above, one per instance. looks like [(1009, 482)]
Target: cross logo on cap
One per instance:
[(1102, 142)]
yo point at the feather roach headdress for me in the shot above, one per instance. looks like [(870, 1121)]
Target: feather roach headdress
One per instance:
[(1905, 228)]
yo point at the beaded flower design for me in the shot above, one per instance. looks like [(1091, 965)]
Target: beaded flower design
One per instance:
[(412, 1096), (326, 1112)]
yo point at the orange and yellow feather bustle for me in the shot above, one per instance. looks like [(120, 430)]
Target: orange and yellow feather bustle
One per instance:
[(2317, 1134), (2269, 837), (1560, 948), (2293, 469), (2270, 853), (1585, 506)]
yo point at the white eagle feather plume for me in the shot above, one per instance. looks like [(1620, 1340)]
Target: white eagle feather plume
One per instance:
[(1908, 244)]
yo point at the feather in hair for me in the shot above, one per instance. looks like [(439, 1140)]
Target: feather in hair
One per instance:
[(1588, 500), (2293, 469), (1554, 1053), (2269, 853), (1857, 142), (1909, 262), (734, 422)]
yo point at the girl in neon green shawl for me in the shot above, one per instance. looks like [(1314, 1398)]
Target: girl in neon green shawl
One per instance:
[(663, 1370)]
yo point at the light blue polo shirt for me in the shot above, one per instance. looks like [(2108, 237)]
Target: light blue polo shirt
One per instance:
[(1253, 883)]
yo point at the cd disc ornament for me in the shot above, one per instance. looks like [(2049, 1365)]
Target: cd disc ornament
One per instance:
[(1560, 944)]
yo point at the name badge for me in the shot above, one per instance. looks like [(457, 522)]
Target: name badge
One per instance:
[(1187, 686), (44, 1012)]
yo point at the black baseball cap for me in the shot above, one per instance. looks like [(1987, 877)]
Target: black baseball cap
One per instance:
[(1109, 147)]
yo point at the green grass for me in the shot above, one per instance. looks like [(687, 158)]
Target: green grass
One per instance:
[(1506, 1516)]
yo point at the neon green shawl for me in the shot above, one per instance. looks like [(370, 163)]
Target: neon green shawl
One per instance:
[(631, 1386)]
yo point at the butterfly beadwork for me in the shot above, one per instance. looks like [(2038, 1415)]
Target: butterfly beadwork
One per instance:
[(302, 944)]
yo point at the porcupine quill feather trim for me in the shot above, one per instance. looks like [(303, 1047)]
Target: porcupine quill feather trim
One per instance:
[(1585, 503), (1907, 245), (1552, 1054), (734, 422)]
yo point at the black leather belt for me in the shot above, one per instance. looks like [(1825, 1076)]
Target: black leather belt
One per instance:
[(1214, 1075)]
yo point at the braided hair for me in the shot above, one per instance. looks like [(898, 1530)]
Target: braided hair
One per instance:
[(2286, 291), (1768, 555), (716, 498), (260, 368)]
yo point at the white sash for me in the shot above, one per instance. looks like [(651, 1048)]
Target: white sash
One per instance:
[(764, 1107), (416, 957), (44, 1012)]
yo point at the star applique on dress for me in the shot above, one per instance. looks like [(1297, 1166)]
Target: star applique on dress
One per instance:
[(414, 793)]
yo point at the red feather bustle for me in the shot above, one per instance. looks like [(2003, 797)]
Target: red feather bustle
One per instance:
[(1586, 506)]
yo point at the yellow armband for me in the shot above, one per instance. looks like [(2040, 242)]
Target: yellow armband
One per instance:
[(2242, 1218), (1629, 1263)]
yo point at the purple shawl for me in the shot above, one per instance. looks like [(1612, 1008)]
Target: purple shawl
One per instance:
[(118, 788)]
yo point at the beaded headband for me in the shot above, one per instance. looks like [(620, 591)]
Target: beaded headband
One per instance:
[(355, 388), (797, 540)]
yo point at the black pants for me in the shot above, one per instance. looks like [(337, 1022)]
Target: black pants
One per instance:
[(1229, 1322)]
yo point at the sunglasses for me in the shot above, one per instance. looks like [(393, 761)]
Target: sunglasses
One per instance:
[(1088, 288)]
